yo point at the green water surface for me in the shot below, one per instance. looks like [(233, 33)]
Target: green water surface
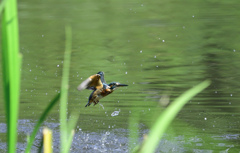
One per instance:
[(158, 47)]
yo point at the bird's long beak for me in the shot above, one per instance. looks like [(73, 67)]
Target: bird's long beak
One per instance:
[(121, 85)]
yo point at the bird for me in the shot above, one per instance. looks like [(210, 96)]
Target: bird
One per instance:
[(99, 86)]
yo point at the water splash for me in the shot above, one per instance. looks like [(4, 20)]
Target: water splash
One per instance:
[(102, 106), (115, 113)]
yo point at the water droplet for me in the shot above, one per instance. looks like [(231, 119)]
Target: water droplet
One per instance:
[(30, 70), (57, 65), (140, 51), (193, 16), (231, 95), (163, 40), (155, 56), (234, 50), (205, 118), (125, 72), (115, 113), (102, 106)]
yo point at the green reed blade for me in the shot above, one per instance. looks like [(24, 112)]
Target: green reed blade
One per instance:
[(69, 141), (133, 130), (11, 69), (64, 92), (168, 115), (72, 121), (71, 124), (40, 121), (5, 73), (2, 4)]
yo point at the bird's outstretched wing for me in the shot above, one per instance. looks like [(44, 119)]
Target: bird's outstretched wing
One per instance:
[(101, 73), (92, 83)]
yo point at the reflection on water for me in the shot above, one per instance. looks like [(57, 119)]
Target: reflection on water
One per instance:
[(159, 48)]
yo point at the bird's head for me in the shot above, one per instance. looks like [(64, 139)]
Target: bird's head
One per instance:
[(114, 85)]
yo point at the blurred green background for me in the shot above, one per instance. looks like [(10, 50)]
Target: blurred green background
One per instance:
[(159, 48)]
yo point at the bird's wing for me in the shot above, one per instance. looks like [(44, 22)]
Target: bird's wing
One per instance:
[(92, 83), (102, 76)]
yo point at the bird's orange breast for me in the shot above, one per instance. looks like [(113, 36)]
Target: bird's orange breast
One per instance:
[(106, 92)]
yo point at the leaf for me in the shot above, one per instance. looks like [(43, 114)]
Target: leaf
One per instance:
[(167, 117), (40, 121)]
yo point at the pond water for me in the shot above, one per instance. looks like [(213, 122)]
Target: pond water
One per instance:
[(159, 48)]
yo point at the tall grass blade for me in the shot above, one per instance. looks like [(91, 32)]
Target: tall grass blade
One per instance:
[(64, 92), (40, 121), (168, 115), (11, 69), (72, 121), (2, 4), (71, 125), (69, 141), (5, 73), (133, 130)]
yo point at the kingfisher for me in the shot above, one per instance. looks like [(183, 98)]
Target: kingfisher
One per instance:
[(99, 86)]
